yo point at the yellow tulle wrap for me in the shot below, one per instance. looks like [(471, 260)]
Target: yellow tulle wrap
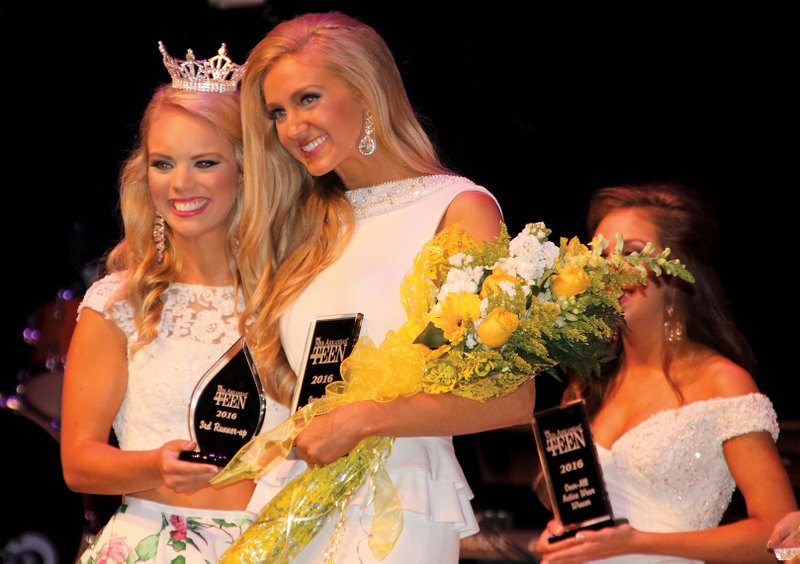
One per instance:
[(291, 519), (528, 329)]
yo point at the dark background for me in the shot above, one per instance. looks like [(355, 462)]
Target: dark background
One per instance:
[(541, 106)]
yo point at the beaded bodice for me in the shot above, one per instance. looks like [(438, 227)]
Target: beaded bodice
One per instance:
[(198, 324), (669, 473), (381, 198)]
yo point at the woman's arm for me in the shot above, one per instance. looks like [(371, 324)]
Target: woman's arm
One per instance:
[(335, 434), (476, 213), (95, 380)]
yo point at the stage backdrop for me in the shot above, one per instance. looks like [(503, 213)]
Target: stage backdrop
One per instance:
[(539, 106)]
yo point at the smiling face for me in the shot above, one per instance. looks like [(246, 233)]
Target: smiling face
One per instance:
[(642, 305), (193, 177), (318, 118)]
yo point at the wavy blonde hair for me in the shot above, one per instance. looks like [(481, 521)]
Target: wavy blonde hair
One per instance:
[(135, 254), (295, 225)]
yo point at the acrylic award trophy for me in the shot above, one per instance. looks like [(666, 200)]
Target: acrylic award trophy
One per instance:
[(571, 469), (330, 340), (227, 407)]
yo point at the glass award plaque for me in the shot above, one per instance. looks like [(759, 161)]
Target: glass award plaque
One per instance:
[(330, 340), (571, 469), (227, 407)]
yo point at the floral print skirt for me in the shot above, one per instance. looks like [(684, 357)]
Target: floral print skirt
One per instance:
[(145, 531)]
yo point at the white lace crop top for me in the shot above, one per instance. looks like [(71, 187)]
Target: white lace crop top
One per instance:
[(198, 324)]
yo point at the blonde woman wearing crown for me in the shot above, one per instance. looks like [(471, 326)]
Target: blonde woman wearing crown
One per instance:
[(342, 189), (150, 329)]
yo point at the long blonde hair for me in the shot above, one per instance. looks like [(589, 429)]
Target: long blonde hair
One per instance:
[(295, 225), (135, 254)]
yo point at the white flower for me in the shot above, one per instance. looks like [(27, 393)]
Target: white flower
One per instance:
[(508, 288), (531, 266), (550, 251), (530, 254), (461, 280), (460, 259), (470, 341), (524, 244)]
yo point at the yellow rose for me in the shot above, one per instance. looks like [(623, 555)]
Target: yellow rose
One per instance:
[(491, 284), (497, 328), (570, 281)]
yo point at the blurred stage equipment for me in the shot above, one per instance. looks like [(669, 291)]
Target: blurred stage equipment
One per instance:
[(500, 466), (49, 331), (55, 524)]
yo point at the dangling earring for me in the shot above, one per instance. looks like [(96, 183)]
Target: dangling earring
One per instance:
[(674, 327), (158, 237), (235, 246), (367, 144)]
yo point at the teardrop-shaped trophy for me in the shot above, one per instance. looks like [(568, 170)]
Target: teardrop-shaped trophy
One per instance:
[(227, 407)]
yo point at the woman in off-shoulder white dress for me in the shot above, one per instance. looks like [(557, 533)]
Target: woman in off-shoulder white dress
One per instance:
[(677, 419)]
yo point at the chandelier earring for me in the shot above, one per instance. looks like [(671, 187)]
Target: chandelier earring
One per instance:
[(674, 324), (158, 237), (367, 144), (235, 246)]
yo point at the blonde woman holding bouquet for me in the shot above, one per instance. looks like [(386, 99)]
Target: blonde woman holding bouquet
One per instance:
[(342, 189), (677, 418)]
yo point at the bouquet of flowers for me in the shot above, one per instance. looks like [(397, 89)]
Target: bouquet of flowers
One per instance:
[(482, 321)]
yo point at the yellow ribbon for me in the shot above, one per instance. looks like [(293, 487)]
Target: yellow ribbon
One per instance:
[(370, 373)]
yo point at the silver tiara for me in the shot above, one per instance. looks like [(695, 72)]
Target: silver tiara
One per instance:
[(217, 74)]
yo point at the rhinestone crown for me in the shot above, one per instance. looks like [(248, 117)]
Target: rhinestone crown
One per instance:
[(217, 74)]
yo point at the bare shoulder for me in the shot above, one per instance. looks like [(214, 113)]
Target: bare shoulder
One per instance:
[(719, 376), (476, 198), (476, 212)]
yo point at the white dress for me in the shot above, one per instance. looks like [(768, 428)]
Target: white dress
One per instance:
[(669, 474), (198, 324), (394, 221)]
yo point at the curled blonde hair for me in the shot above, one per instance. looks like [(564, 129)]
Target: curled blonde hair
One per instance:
[(135, 254), (295, 225)]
